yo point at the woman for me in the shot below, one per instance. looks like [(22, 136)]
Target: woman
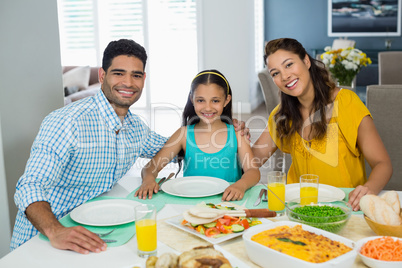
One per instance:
[(327, 130)]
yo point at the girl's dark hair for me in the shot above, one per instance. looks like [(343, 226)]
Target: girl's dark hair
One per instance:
[(207, 77), (288, 118), (189, 116)]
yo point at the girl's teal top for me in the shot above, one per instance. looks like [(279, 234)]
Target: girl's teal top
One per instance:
[(223, 164)]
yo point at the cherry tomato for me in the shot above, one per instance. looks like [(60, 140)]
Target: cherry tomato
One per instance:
[(210, 232)]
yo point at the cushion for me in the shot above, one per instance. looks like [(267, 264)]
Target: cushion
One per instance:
[(77, 78)]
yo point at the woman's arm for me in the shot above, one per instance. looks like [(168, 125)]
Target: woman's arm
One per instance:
[(373, 149), (149, 173), (263, 148), (251, 174)]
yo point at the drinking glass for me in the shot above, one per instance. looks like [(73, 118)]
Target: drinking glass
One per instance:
[(145, 226), (308, 189), (276, 183)]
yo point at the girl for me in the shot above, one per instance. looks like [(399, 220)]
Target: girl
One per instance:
[(327, 130), (207, 140)]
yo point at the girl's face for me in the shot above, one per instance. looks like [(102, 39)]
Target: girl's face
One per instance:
[(209, 101), (290, 73)]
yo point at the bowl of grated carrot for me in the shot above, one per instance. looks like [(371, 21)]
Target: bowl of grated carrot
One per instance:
[(380, 251)]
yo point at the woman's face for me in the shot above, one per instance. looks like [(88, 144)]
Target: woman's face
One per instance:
[(290, 73)]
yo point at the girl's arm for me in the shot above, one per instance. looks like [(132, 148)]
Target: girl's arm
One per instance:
[(251, 174), (263, 148), (149, 173), (373, 149)]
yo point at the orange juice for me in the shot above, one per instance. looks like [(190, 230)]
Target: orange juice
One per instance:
[(146, 234), (273, 202), (308, 195)]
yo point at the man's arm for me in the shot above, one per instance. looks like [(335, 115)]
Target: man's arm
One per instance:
[(76, 238)]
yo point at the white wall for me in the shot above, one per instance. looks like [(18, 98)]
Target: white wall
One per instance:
[(30, 82), (228, 45), (5, 231)]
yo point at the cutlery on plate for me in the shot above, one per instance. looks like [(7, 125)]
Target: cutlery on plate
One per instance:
[(105, 234), (109, 240), (258, 201), (164, 180)]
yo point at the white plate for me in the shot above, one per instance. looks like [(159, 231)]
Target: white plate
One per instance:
[(105, 212), (176, 222), (195, 186), (330, 193)]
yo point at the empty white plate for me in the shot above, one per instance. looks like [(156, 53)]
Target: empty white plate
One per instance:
[(330, 193), (195, 186), (105, 212)]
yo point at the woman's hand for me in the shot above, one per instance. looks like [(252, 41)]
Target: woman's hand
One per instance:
[(241, 126), (356, 194)]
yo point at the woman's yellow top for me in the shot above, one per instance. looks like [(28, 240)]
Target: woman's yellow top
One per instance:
[(336, 159)]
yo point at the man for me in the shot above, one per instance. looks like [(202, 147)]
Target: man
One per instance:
[(82, 150)]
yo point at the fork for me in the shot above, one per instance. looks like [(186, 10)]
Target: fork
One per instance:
[(164, 180), (105, 234)]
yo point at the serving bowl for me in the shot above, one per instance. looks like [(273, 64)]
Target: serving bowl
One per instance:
[(332, 224), (267, 257), (373, 263), (382, 229)]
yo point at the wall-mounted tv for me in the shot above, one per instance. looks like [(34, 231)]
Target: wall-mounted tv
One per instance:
[(364, 18)]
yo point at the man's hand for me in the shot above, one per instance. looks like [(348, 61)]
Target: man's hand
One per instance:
[(77, 239), (147, 188), (241, 126)]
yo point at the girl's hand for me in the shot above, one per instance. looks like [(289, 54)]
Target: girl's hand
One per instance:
[(147, 188), (232, 193), (241, 126), (356, 194)]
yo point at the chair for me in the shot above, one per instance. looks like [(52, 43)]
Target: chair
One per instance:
[(384, 103), (390, 68), (280, 161)]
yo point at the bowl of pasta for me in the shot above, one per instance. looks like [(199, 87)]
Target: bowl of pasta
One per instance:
[(380, 251)]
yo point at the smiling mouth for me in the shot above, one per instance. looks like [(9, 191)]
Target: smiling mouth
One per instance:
[(291, 84), (208, 115), (126, 92)]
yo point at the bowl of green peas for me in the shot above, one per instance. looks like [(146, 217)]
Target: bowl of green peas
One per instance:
[(326, 215)]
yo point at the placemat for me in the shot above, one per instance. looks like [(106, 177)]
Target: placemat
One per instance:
[(122, 233), (250, 196)]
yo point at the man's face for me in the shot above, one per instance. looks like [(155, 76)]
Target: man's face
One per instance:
[(122, 82)]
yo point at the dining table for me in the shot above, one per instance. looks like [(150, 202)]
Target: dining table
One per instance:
[(38, 252)]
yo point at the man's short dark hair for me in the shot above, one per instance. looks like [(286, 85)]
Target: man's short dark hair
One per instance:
[(123, 47)]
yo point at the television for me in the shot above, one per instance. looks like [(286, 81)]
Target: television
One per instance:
[(364, 18)]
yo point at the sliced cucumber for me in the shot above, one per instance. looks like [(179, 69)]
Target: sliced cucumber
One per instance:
[(194, 225), (209, 225), (236, 228)]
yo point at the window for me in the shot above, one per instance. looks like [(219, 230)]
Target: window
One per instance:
[(166, 28)]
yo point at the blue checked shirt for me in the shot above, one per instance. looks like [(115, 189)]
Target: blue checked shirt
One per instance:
[(77, 155)]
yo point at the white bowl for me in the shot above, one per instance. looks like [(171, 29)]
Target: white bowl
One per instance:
[(267, 257), (370, 262)]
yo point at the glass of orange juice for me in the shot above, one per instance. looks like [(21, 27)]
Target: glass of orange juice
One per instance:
[(308, 189), (276, 183), (145, 227)]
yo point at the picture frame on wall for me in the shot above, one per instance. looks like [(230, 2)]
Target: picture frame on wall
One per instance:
[(364, 18)]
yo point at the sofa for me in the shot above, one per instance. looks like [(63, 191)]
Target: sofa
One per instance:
[(79, 82)]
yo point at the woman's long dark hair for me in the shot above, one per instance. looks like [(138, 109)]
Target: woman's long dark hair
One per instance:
[(189, 116), (288, 118)]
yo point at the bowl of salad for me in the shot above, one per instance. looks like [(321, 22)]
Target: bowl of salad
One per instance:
[(325, 215)]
